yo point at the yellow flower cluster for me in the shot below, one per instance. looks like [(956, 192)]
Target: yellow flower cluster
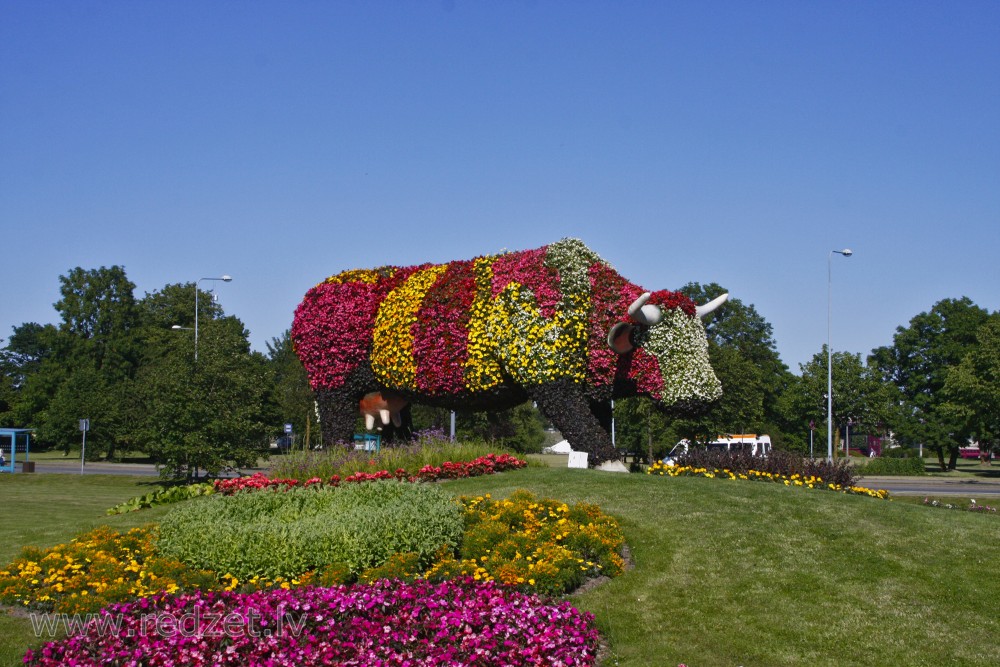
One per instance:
[(808, 481), (541, 545), (94, 570), (370, 276), (392, 349), (481, 368), (536, 349)]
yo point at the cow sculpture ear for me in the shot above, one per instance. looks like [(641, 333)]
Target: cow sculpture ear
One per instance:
[(620, 337)]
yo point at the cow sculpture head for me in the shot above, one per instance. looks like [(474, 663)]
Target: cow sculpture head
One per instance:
[(677, 341)]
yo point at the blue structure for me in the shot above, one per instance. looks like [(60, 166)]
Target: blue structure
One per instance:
[(12, 441), (368, 442)]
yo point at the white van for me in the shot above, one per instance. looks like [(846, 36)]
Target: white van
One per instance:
[(751, 443)]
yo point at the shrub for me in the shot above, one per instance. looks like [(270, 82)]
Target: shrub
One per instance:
[(272, 535), (95, 569), (810, 482), (385, 623), (900, 453), (782, 463), (893, 466)]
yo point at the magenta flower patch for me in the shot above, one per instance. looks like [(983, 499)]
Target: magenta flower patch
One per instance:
[(386, 623)]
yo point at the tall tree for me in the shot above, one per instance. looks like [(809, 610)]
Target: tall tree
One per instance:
[(860, 397), (290, 396), (77, 370), (745, 357), (918, 362), (98, 309), (972, 388), (204, 415), (174, 305)]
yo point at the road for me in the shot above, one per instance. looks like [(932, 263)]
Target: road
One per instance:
[(965, 487)]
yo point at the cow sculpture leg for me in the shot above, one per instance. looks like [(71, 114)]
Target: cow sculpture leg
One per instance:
[(338, 413), (569, 410)]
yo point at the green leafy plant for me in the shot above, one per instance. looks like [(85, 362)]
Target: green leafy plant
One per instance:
[(285, 534), (163, 496)]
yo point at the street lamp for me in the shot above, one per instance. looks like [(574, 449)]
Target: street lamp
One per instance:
[(846, 252), (224, 279)]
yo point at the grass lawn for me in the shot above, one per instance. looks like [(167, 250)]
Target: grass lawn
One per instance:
[(45, 510), (726, 572)]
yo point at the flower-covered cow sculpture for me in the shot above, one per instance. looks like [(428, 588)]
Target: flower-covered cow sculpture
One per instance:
[(557, 325)]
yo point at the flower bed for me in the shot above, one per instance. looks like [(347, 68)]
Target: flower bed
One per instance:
[(484, 465), (385, 623), (535, 544), (95, 569), (795, 479), (973, 506)]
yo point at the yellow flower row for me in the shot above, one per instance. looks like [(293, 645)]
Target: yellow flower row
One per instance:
[(482, 371), (370, 276), (392, 348), (808, 481)]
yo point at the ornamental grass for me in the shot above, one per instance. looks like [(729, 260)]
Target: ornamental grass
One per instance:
[(448, 624), (429, 448)]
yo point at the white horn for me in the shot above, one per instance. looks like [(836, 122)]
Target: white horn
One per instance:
[(702, 311), (644, 313)]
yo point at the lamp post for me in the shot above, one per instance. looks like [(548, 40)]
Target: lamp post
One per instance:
[(846, 252), (224, 279)]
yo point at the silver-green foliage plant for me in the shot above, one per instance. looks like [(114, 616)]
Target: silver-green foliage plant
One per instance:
[(160, 496), (273, 534)]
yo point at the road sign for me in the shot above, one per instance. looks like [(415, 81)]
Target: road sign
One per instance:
[(84, 425), (288, 428)]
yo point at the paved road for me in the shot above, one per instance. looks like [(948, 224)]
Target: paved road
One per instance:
[(935, 486)]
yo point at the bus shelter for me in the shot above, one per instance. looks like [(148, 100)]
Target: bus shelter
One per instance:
[(14, 442)]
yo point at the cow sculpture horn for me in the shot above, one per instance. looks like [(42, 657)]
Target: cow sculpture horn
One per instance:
[(702, 311), (644, 313)]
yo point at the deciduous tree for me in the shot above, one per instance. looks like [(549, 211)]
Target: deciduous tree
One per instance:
[(919, 361)]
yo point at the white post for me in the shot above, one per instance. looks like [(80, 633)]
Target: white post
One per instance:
[(613, 423), (84, 426)]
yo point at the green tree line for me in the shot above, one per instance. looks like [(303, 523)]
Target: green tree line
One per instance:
[(936, 387), (128, 364)]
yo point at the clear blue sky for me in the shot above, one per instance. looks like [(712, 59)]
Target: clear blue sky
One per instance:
[(731, 142)]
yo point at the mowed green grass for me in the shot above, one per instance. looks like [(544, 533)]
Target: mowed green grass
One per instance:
[(48, 509), (725, 572), (751, 573)]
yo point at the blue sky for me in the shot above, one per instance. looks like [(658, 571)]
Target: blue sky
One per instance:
[(730, 142)]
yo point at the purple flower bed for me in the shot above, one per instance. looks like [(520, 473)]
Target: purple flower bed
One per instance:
[(377, 625)]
